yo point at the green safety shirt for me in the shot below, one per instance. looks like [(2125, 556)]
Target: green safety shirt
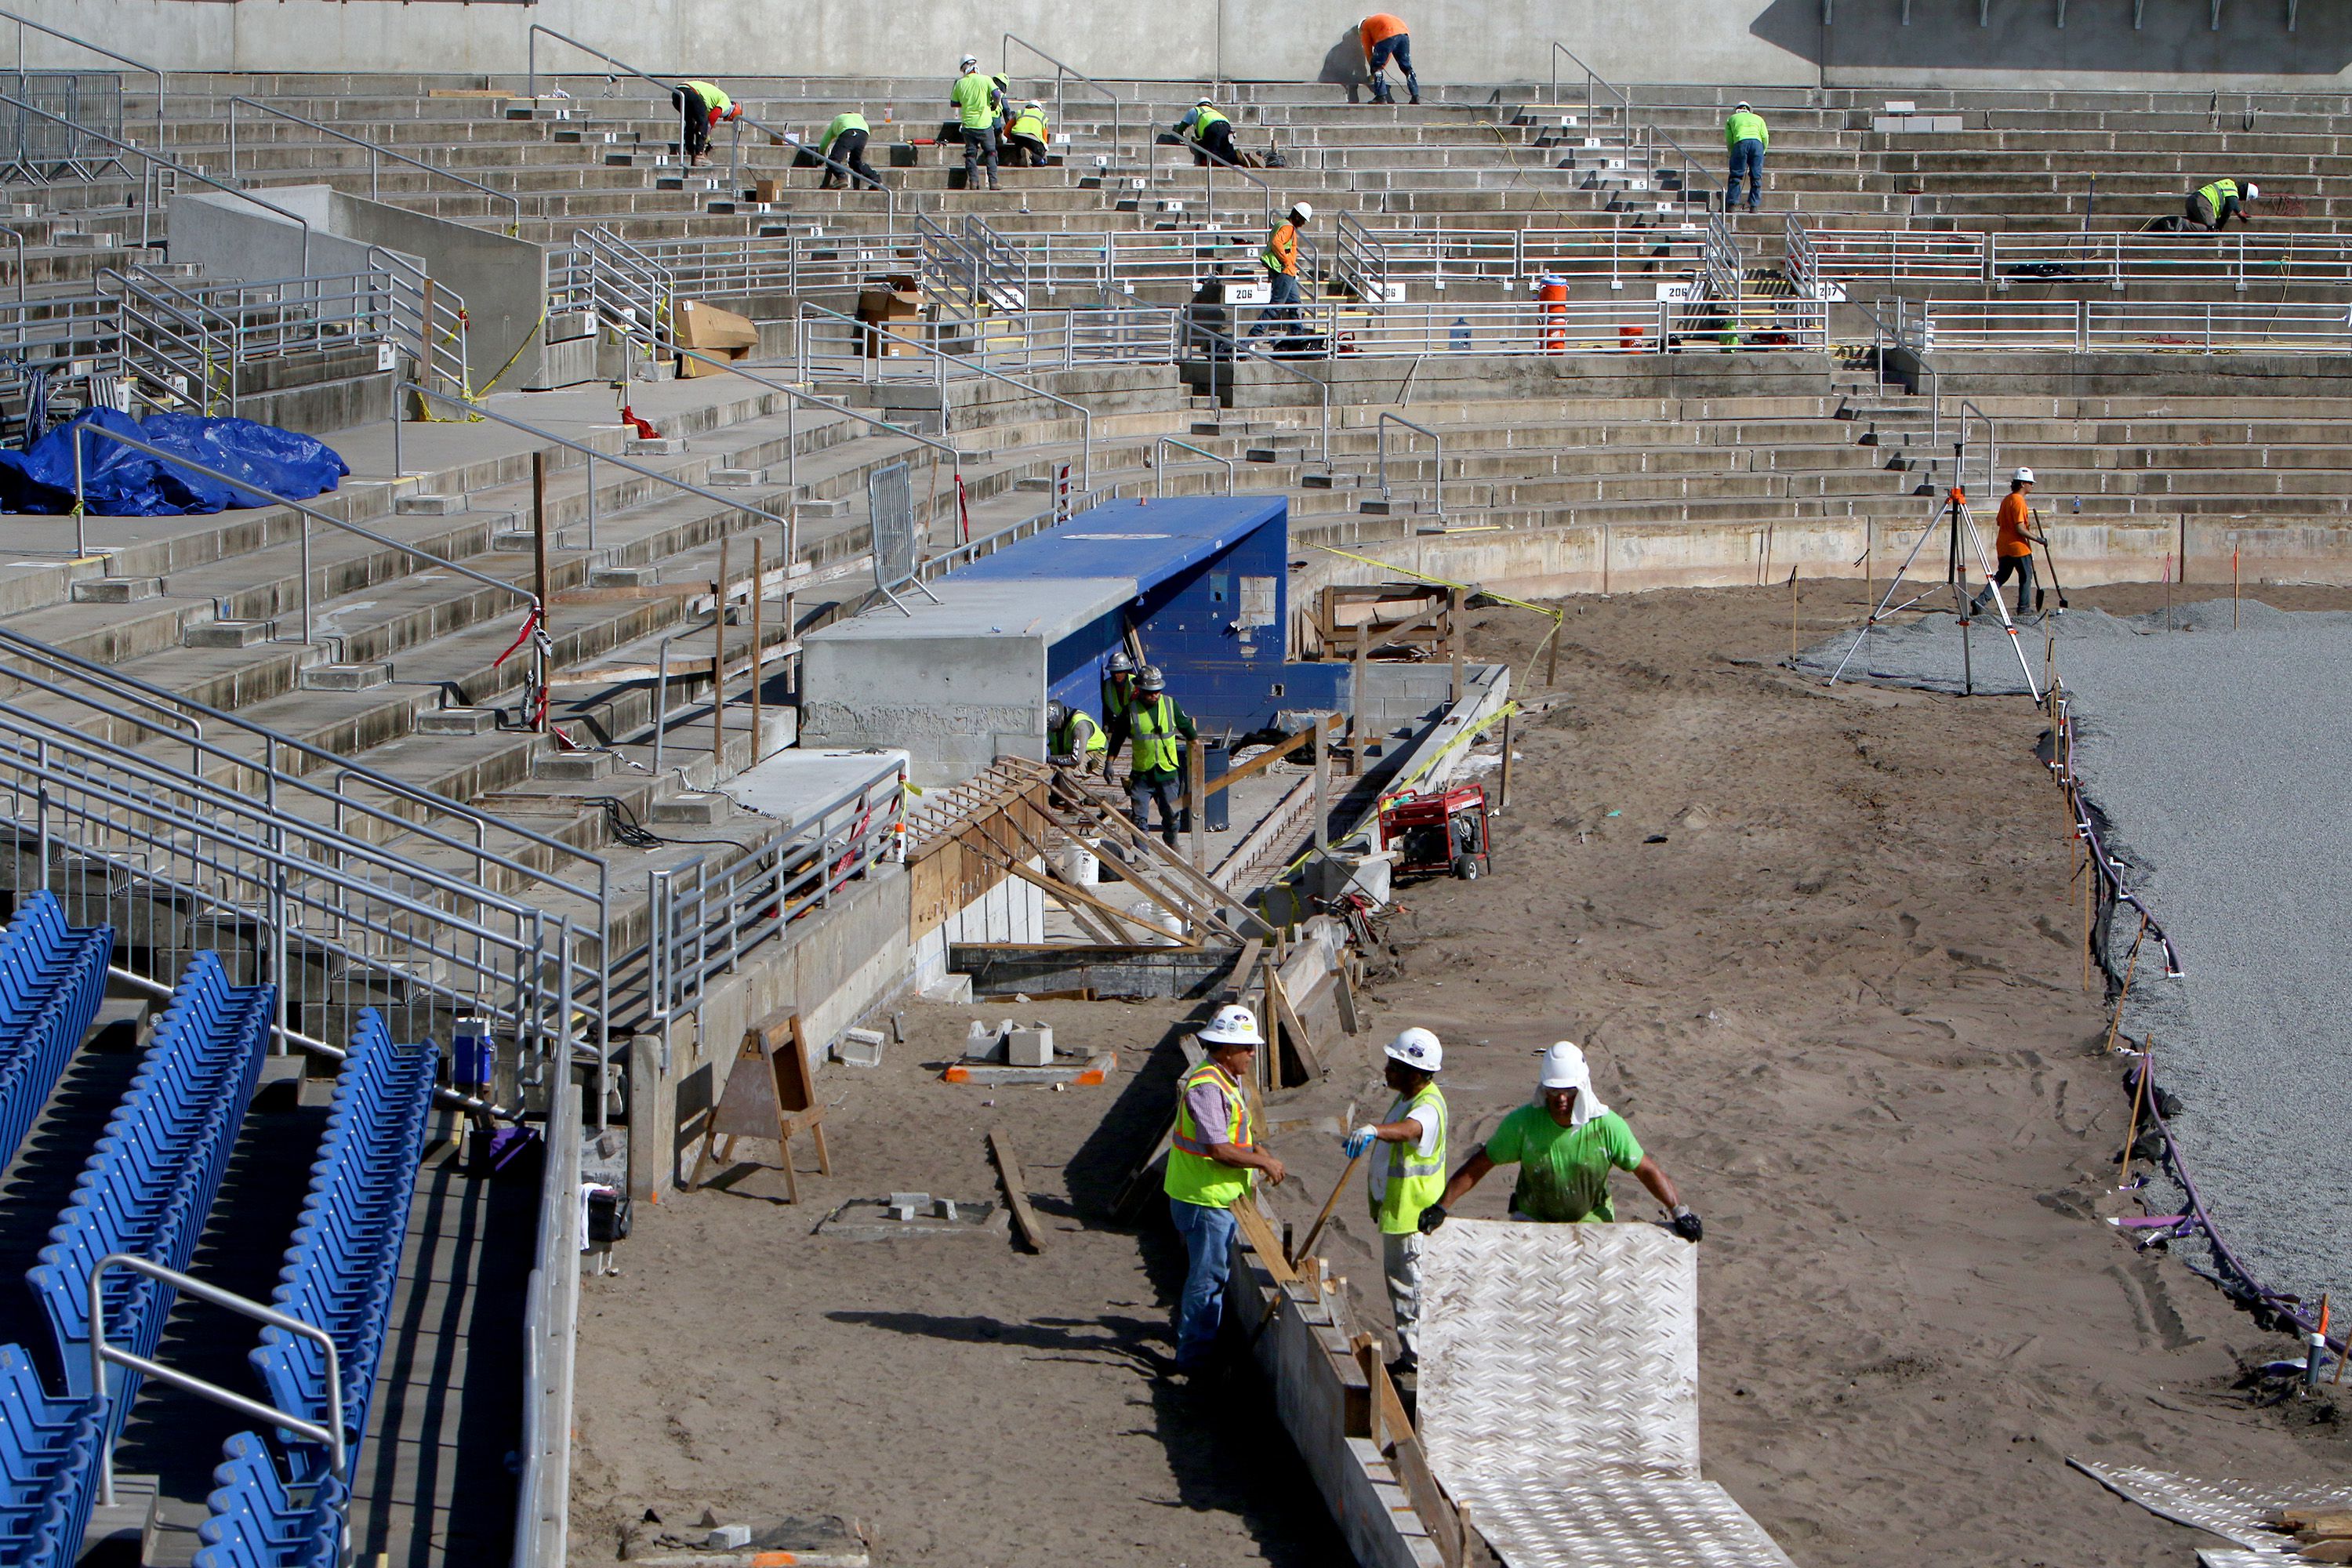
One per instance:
[(1064, 740), (853, 121), (1563, 1171), (1194, 1176), (974, 97), (1411, 1179), (1029, 123), (1154, 725), (713, 98), (1746, 126)]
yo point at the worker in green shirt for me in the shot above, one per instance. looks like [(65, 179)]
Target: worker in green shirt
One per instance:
[(1565, 1145), (1748, 139), (700, 105), (844, 152), (977, 106)]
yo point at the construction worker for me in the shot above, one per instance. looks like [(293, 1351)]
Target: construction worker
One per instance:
[(700, 105), (1564, 1144), (1280, 258), (1073, 739), (1210, 1160), (2212, 207), (1025, 138), (845, 149), (1407, 1178), (1385, 39), (1748, 139), (1117, 696), (977, 106), (1158, 731), (1211, 134), (2013, 545)]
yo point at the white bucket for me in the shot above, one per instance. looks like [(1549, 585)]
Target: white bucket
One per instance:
[(1081, 865)]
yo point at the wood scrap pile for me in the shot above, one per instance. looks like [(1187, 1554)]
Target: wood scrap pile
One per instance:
[(2322, 1533)]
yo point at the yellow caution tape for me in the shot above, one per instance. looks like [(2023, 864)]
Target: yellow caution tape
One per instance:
[(1404, 785), (1557, 616)]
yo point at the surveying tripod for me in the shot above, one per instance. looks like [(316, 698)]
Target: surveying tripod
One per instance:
[(1961, 524)]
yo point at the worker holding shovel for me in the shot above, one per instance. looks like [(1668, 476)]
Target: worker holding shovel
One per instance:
[(1407, 1179)]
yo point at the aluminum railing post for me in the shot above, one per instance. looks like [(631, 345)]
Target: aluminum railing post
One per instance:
[(81, 502)]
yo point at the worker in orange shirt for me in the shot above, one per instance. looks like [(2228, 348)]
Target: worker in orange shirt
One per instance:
[(1280, 260), (2014, 545), (1385, 39)]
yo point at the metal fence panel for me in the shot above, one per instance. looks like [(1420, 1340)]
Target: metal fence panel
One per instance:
[(890, 496)]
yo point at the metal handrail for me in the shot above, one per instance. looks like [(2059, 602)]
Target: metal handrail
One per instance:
[(376, 151), (1234, 355), (195, 337), (1159, 463), (1380, 439), (940, 361), (1061, 69), (158, 161), (1365, 255), (100, 1353), (24, 22)]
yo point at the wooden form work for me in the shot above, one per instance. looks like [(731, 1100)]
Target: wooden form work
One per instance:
[(769, 1094)]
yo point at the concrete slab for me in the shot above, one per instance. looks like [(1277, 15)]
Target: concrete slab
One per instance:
[(802, 787)]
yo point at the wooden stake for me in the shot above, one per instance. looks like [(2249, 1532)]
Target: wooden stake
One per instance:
[(2139, 1094), (1315, 1233), (1792, 613), (1869, 544), (2233, 626), (719, 664), (2168, 592), (2130, 968), (2090, 908), (757, 661), (1196, 800), (1503, 785)]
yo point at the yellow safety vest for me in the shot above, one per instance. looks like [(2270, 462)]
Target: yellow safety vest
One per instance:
[(1159, 748), (1201, 119), (1281, 252), (1194, 1177), (2216, 193), (1414, 1182), (1063, 741), (1030, 124)]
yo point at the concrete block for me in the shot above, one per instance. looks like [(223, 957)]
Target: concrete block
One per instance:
[(520, 541), (955, 991), (116, 590), (699, 809), (429, 505), (566, 325), (859, 1049), (346, 677), (228, 634), (982, 1044), (625, 576), (571, 766), (906, 1205), (457, 722), (659, 447), (84, 240), (830, 506), (728, 1538), (735, 475), (1030, 1048)]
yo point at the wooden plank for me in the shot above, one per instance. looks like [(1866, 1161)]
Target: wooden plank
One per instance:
[(1448, 1530), (1345, 997), (1068, 895), (1008, 1166), (1271, 755), (1246, 968), (1260, 1235), (1310, 1061)]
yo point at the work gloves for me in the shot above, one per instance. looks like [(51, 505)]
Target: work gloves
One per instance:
[(1362, 1139), (1686, 1225), (1432, 1218)]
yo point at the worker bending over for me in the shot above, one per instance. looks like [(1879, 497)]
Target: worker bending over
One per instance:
[(977, 106), (2013, 545), (1211, 1158), (1211, 134), (1564, 1144), (1025, 137), (2212, 207), (1748, 139), (700, 105), (845, 149), (1407, 1178), (1385, 39), (1158, 731), (1073, 739), (1280, 258)]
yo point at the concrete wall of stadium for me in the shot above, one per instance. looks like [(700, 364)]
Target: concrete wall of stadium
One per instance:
[(1783, 43)]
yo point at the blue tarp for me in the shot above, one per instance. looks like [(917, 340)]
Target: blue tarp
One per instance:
[(121, 481)]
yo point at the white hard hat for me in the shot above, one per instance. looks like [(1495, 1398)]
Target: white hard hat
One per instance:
[(1206, 103), (1036, 106), (2252, 190), (1417, 1048), (1743, 103), (1304, 212), (969, 62), (2023, 476), (1563, 1067), (1233, 1025)]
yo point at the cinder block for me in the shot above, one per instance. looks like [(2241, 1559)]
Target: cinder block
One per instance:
[(429, 505), (702, 809), (457, 722), (625, 576), (228, 634), (346, 677), (84, 240), (1030, 1048), (116, 590), (906, 1205), (955, 991), (734, 475), (572, 767), (859, 1049), (660, 446)]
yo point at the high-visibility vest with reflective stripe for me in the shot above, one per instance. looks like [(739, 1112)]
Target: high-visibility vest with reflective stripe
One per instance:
[(1194, 1177), (713, 98), (1281, 252), (1030, 124), (2216, 193), (1159, 749), (1414, 1182), (1063, 741), (1202, 118)]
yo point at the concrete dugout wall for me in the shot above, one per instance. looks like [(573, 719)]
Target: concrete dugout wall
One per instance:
[(1760, 43)]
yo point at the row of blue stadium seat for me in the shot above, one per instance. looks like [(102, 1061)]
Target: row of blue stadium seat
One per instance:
[(339, 1275), (146, 1189), (52, 978)]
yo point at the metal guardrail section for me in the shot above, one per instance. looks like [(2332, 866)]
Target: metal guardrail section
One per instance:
[(1438, 461), (549, 1337), (72, 137), (344, 887), (1360, 263), (2244, 260), (1066, 72), (890, 507), (630, 292), (1720, 270), (77, 41), (2076, 326), (1800, 264), (707, 915)]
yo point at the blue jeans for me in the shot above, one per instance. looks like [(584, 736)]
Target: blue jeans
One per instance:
[(1748, 155), (1281, 305), (1209, 1241), (1400, 50)]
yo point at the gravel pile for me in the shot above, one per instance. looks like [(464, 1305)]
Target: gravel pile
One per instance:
[(2222, 761)]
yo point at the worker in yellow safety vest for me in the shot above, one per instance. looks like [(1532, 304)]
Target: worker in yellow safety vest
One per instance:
[(1210, 1160), (1157, 733), (1117, 696), (1407, 1177), (2212, 207), (1025, 138), (1073, 739), (1280, 258), (1211, 134), (700, 105)]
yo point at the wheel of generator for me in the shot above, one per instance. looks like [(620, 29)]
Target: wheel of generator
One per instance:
[(1466, 868)]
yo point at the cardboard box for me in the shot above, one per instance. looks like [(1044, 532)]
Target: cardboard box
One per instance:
[(768, 191), (714, 334), (897, 307)]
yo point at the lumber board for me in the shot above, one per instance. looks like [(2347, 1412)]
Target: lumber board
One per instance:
[(1016, 1193)]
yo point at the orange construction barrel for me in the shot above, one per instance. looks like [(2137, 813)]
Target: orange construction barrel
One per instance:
[(1553, 292)]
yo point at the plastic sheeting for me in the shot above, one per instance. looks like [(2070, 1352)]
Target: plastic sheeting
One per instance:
[(121, 481)]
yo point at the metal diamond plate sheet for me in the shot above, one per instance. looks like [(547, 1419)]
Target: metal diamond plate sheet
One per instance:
[(1558, 1351), (2236, 1557), (1617, 1523), (2233, 1510)]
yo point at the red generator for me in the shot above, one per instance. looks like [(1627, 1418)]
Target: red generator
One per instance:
[(1439, 833)]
